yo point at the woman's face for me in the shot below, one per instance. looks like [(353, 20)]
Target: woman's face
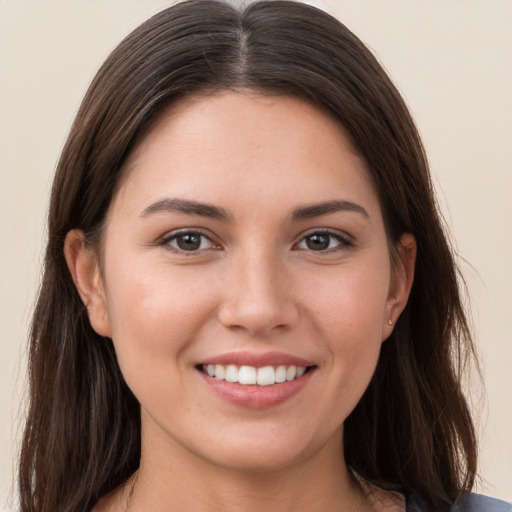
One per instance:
[(245, 241)]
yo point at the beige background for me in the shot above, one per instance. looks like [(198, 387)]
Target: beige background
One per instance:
[(452, 60)]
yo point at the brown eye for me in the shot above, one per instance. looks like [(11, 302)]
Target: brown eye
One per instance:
[(318, 241), (323, 241), (189, 241)]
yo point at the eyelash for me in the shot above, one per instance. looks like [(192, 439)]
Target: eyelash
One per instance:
[(343, 241), (167, 241)]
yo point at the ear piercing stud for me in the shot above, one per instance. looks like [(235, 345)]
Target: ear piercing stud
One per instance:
[(390, 322)]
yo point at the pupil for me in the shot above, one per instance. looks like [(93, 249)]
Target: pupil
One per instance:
[(189, 242), (317, 242)]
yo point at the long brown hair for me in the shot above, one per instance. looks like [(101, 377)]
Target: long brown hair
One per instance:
[(412, 429)]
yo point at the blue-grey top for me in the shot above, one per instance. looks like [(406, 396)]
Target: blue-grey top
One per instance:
[(472, 503)]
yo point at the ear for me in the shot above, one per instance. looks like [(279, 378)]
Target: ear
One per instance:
[(402, 277), (84, 267)]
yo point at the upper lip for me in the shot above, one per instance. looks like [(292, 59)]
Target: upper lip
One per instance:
[(257, 360)]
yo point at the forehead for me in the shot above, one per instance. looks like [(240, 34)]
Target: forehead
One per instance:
[(239, 144)]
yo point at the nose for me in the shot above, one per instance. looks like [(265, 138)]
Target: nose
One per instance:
[(258, 296)]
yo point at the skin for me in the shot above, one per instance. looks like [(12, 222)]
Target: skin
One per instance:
[(254, 285)]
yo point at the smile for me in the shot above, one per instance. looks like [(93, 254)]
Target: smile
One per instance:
[(250, 375), (256, 380)]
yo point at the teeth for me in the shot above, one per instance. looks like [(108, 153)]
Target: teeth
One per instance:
[(231, 374), (220, 372), (249, 375), (266, 376), (291, 372), (280, 373)]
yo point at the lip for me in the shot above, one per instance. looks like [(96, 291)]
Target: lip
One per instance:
[(254, 396), (257, 360)]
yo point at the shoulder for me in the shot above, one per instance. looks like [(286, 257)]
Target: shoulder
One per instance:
[(471, 503)]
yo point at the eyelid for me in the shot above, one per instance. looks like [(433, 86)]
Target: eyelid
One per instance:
[(345, 240), (171, 235)]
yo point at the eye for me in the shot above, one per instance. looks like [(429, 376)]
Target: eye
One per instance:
[(188, 241), (323, 241)]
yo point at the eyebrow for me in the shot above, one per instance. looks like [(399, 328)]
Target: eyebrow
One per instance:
[(188, 207), (201, 209), (324, 208)]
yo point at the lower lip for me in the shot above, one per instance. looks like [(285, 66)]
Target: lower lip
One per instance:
[(256, 397)]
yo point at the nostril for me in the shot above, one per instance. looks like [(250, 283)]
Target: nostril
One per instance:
[(258, 320)]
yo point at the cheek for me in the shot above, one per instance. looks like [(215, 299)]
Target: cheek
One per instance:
[(348, 310), (351, 301), (155, 314)]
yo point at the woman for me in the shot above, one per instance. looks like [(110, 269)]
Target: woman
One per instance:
[(238, 308)]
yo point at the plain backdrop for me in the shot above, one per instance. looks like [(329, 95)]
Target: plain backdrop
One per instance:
[(452, 61)]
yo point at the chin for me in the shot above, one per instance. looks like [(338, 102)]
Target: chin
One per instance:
[(264, 451), (248, 460)]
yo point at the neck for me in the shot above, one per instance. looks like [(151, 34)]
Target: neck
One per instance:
[(173, 478)]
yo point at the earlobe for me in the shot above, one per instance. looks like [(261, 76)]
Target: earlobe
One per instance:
[(84, 268), (402, 277)]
